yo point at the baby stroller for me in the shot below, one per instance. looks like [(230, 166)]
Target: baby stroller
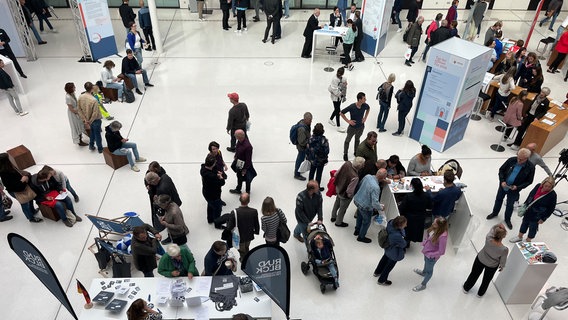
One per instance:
[(324, 270)]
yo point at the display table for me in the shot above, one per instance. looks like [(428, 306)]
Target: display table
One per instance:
[(524, 276), (11, 71), (157, 289), (326, 32), (458, 221)]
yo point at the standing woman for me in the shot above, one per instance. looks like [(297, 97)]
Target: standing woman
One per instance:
[(434, 247), (338, 91), (524, 71), (385, 99), (535, 84), (134, 42), (173, 220), (318, 151), (493, 256), (562, 48), (17, 182), (514, 114), (155, 167), (220, 165), (413, 207), (77, 126), (404, 99), (271, 217), (506, 84), (348, 40), (541, 203), (394, 252)]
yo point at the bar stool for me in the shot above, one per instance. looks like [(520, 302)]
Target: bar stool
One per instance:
[(475, 115), (500, 128), (331, 50), (546, 42), (498, 147)]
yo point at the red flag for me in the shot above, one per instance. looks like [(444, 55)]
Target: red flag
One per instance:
[(81, 289)]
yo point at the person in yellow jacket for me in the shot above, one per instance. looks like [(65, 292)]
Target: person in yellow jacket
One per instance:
[(99, 96)]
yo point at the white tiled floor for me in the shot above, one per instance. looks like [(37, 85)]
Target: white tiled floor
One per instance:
[(173, 124)]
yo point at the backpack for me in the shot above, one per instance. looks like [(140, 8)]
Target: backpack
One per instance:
[(318, 150), (406, 32), (128, 95), (382, 93), (397, 95), (384, 238), (294, 132)]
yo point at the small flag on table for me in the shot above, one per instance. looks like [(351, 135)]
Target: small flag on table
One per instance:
[(81, 289)]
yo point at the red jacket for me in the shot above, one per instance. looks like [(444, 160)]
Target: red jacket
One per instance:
[(562, 45)]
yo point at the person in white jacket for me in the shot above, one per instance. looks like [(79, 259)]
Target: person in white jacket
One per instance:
[(109, 80)]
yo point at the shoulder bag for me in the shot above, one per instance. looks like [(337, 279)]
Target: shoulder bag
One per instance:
[(522, 210), (25, 196), (236, 237), (283, 232)]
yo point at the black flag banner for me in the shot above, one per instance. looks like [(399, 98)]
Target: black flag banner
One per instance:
[(39, 266), (269, 267)]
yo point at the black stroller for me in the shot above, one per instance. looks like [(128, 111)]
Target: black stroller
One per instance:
[(322, 271)]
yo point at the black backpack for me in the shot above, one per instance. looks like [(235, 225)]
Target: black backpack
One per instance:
[(406, 32), (382, 93), (128, 95)]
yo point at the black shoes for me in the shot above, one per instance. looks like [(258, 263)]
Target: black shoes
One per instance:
[(23, 76), (264, 40), (6, 218), (255, 19), (307, 56), (300, 177), (408, 63), (343, 225), (345, 158), (509, 224), (364, 240), (386, 283), (333, 219), (235, 191), (491, 216), (231, 149), (148, 84), (138, 91), (36, 220)]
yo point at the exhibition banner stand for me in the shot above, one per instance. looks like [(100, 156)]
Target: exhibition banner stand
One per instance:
[(376, 20), (452, 80), (98, 27)]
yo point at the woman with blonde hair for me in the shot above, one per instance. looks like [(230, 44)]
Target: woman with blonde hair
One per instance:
[(384, 96), (434, 247), (539, 206), (270, 220)]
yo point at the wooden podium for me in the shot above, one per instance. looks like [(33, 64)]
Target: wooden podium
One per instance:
[(21, 157)]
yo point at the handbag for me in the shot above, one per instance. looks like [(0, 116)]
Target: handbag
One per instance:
[(236, 237), (522, 210), (70, 216), (6, 201), (120, 268), (407, 54), (25, 196), (305, 166), (102, 255), (283, 232)]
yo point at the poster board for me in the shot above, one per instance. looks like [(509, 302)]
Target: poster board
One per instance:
[(376, 19), (98, 26)]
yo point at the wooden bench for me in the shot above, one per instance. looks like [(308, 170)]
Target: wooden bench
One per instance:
[(21, 157), (110, 93), (113, 160), (48, 212)]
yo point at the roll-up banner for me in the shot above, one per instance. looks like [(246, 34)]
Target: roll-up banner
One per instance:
[(376, 20), (98, 26), (39, 266)]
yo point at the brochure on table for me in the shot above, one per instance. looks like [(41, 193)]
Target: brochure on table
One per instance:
[(533, 251)]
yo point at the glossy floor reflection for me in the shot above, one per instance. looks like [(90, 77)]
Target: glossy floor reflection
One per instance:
[(174, 122)]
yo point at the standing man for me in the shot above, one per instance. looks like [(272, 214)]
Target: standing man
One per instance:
[(7, 86), (413, 39), (309, 203), (539, 107), (367, 201), (359, 38), (553, 9), (515, 174), (256, 5), (396, 8), (346, 180), (5, 50), (225, 6), (90, 113), (536, 159), (272, 8), (162, 185), (311, 26), (358, 112), (41, 10), (413, 11), (303, 133), (145, 23), (242, 165), (126, 14), (30, 22), (144, 249), (368, 148), (238, 117), (247, 221), (212, 181)]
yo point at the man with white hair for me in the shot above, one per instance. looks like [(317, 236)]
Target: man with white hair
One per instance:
[(515, 174), (178, 262)]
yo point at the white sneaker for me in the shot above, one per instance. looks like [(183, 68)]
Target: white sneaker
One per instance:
[(237, 31), (340, 129), (43, 32), (135, 168), (23, 113), (141, 159), (515, 239), (53, 31), (399, 30), (514, 147), (331, 122), (245, 29)]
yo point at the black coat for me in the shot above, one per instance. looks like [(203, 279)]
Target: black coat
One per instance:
[(247, 223), (311, 26), (43, 188), (412, 11), (113, 139), (332, 19), (543, 208), (541, 109), (167, 186), (211, 183), (126, 14), (524, 177), (224, 5), (413, 207), (144, 253), (359, 24), (440, 35), (6, 39)]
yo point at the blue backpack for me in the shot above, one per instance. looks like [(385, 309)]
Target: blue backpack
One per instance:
[(294, 132)]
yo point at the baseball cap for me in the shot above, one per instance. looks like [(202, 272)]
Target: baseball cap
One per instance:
[(233, 96)]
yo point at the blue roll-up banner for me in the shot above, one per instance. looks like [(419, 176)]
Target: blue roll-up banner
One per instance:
[(39, 266), (98, 26), (269, 267), (376, 20)]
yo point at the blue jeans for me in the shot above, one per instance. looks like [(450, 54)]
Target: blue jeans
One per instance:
[(234, 7), (70, 188), (559, 32), (543, 21), (383, 115), (397, 17), (330, 266), (384, 267), (428, 269), (301, 228), (60, 208), (498, 105), (36, 34), (27, 207), (512, 196), (123, 151), (214, 208), (118, 86), (42, 17), (132, 77), (363, 222), (138, 54), (286, 8), (96, 135), (299, 159)]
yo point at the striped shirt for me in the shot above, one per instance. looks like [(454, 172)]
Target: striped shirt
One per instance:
[(270, 225)]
